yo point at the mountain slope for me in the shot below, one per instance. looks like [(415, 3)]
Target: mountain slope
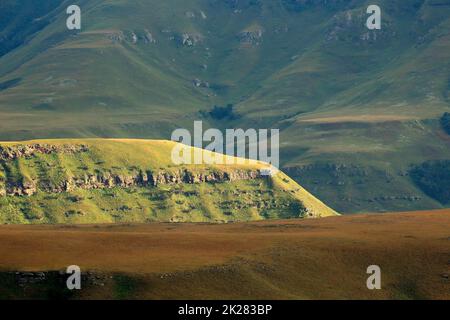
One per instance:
[(93, 181), (142, 57), (21, 19), (343, 96)]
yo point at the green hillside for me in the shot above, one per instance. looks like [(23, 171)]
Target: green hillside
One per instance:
[(104, 181), (357, 108)]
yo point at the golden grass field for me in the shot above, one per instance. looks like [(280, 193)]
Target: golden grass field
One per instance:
[(291, 259)]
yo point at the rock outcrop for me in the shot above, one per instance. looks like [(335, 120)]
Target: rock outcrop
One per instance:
[(25, 151), (198, 83), (253, 37), (101, 179), (190, 40), (142, 179), (116, 37), (148, 38)]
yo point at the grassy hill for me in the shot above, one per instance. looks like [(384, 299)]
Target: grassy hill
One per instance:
[(100, 181), (365, 102)]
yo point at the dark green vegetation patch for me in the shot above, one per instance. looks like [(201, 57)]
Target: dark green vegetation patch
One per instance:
[(433, 178), (445, 122)]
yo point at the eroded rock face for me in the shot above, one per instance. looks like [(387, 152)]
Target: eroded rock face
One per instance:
[(26, 186), (145, 179), (25, 151)]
